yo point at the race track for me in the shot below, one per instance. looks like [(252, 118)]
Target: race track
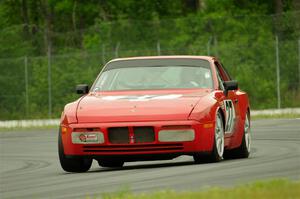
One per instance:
[(29, 166)]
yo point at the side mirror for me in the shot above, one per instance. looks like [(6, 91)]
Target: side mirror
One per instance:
[(82, 89), (230, 85)]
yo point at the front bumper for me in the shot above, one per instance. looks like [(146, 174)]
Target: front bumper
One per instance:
[(203, 142)]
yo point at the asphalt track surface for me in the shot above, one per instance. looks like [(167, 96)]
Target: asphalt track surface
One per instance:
[(29, 166)]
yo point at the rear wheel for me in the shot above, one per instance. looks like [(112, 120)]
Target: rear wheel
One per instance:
[(110, 163), (216, 154), (72, 164), (244, 149)]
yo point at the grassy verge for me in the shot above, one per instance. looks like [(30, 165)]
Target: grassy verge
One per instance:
[(32, 128), (274, 189), (276, 116)]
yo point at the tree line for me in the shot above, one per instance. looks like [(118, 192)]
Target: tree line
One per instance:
[(78, 37)]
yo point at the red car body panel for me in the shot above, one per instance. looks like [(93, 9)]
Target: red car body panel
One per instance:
[(196, 108), (105, 107)]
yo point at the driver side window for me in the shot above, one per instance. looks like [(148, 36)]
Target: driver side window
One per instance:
[(222, 73), (221, 86)]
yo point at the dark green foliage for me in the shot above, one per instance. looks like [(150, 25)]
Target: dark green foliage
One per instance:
[(83, 35)]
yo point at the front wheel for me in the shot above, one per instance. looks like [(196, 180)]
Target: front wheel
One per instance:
[(76, 165), (216, 154)]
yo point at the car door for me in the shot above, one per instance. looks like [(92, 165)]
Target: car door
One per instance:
[(230, 102)]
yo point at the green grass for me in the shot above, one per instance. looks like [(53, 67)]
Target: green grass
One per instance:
[(273, 189), (36, 128), (276, 116)]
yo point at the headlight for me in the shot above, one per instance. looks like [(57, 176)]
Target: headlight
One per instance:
[(87, 137), (178, 135)]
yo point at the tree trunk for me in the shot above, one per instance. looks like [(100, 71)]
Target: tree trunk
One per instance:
[(74, 15), (192, 5), (103, 13), (277, 18), (25, 18), (48, 18), (278, 6)]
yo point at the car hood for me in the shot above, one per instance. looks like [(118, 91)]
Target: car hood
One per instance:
[(127, 107)]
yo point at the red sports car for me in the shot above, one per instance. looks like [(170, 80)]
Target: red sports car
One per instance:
[(155, 108)]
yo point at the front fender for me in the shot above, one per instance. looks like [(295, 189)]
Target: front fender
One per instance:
[(205, 110), (68, 116)]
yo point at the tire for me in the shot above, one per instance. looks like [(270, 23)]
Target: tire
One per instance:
[(76, 165), (216, 154), (243, 151), (111, 163)]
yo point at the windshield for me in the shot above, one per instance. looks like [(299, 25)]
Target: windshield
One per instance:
[(156, 77)]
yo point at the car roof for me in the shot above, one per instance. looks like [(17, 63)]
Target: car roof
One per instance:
[(157, 60), (208, 58)]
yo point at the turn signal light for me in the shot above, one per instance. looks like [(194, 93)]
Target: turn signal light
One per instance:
[(64, 129), (208, 125)]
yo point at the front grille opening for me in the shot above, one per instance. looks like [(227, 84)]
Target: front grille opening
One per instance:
[(118, 135), (144, 134)]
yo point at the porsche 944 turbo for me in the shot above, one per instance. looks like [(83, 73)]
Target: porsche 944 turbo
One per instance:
[(155, 108)]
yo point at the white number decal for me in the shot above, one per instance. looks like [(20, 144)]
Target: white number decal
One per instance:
[(142, 97), (230, 116)]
